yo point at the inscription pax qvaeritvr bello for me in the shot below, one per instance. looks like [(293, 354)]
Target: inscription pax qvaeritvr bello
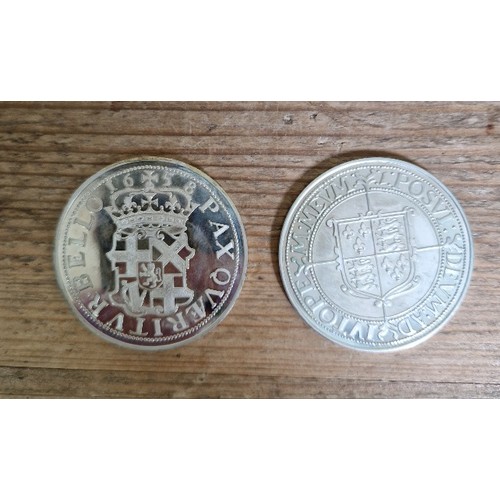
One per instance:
[(150, 256)]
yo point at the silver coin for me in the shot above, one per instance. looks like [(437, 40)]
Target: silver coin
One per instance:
[(150, 253), (376, 254)]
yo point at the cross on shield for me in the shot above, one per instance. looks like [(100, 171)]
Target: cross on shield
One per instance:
[(151, 272)]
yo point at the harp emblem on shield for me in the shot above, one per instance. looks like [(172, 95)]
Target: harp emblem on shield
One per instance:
[(151, 251)]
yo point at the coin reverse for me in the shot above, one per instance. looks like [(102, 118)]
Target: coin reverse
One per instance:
[(150, 253), (376, 254)]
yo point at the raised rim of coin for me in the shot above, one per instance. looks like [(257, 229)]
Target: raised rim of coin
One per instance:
[(345, 325), (236, 249)]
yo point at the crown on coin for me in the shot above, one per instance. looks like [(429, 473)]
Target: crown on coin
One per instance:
[(151, 203)]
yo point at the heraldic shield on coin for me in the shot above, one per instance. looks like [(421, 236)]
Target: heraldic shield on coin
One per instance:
[(150, 253), (376, 254)]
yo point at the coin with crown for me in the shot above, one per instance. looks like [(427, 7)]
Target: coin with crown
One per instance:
[(150, 253)]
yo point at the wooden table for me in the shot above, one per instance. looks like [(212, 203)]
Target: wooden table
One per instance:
[(263, 154)]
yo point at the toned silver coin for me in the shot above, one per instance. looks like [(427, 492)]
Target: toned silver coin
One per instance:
[(150, 253), (376, 254)]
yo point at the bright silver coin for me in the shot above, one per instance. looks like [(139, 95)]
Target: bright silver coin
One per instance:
[(376, 254), (150, 253)]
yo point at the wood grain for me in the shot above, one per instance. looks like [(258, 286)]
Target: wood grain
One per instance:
[(263, 154)]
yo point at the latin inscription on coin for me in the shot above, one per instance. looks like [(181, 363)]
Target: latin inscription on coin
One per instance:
[(150, 253), (376, 254)]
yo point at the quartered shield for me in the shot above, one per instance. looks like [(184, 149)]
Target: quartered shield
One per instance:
[(374, 255)]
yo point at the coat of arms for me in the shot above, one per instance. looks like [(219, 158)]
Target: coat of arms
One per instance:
[(374, 255), (151, 252)]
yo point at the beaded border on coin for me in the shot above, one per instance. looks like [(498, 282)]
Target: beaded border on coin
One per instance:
[(163, 249), (350, 280)]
